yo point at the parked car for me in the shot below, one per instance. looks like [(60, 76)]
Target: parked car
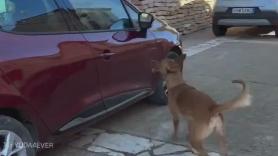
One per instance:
[(234, 13), (68, 63)]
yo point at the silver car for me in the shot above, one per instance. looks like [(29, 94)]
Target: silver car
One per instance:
[(235, 13)]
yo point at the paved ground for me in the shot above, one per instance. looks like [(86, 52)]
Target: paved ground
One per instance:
[(145, 129)]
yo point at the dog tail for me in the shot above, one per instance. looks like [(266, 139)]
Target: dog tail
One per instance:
[(244, 100)]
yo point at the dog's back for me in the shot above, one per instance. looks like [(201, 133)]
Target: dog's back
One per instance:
[(191, 103)]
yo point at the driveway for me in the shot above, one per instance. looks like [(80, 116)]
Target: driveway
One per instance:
[(145, 129)]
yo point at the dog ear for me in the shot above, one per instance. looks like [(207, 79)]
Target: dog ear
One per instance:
[(172, 66), (155, 66)]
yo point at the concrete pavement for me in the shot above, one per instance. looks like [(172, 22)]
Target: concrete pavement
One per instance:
[(248, 54)]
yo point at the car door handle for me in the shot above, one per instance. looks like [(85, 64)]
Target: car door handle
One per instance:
[(106, 54)]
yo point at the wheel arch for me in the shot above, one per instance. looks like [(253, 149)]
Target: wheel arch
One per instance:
[(14, 113), (18, 108), (176, 49)]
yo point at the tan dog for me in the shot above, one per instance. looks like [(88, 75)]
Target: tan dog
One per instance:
[(203, 114)]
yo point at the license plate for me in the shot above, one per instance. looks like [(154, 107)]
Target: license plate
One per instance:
[(243, 10)]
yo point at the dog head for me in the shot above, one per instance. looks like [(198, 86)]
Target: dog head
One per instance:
[(169, 65)]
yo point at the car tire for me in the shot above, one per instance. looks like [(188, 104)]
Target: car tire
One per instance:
[(159, 96), (219, 30), (13, 128)]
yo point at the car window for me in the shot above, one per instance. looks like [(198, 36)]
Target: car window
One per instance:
[(2, 7), (133, 15), (99, 15), (31, 16)]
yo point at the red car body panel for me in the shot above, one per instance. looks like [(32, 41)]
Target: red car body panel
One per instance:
[(128, 66), (58, 73), (51, 79)]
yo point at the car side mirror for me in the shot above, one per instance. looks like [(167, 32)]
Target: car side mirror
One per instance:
[(145, 20)]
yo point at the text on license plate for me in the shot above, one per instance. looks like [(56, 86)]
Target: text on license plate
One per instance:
[(243, 10)]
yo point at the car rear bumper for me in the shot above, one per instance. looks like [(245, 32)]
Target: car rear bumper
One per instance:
[(259, 18), (244, 22)]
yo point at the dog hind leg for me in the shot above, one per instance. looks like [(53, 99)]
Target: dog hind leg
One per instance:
[(220, 133), (197, 145), (197, 134)]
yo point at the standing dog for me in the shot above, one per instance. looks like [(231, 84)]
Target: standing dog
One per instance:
[(203, 114)]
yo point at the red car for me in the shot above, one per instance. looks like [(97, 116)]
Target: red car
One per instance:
[(67, 63)]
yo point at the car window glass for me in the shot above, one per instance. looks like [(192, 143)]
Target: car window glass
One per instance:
[(133, 15), (2, 6), (31, 16), (98, 15)]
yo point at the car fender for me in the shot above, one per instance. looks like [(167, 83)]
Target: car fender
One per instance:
[(11, 100)]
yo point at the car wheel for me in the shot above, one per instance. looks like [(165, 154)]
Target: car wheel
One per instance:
[(159, 96), (219, 30), (13, 138)]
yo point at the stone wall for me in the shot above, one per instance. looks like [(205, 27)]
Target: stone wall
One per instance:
[(185, 15)]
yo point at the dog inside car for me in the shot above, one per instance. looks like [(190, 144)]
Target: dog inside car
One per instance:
[(203, 114)]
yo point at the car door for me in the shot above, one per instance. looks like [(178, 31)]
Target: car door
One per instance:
[(125, 65), (53, 69)]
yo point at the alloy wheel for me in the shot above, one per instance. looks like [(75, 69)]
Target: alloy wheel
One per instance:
[(11, 144)]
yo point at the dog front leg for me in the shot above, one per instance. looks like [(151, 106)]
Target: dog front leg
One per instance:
[(176, 121), (176, 127)]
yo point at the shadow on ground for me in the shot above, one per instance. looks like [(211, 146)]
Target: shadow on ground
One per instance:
[(247, 32)]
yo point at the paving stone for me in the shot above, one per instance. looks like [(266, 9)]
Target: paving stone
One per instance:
[(214, 154), (123, 142), (157, 143), (181, 154), (168, 149), (69, 151), (82, 141), (92, 131), (115, 144), (106, 151), (190, 154), (144, 154)]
